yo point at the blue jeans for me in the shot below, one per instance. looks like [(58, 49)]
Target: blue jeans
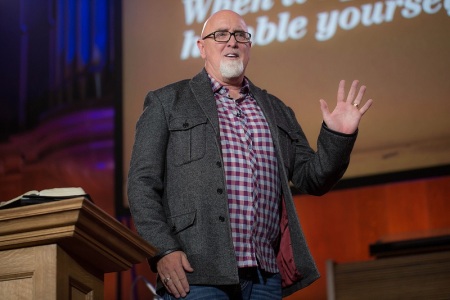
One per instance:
[(255, 284)]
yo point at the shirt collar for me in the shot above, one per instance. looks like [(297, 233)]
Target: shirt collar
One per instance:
[(217, 86)]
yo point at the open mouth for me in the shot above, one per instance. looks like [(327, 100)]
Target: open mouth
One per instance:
[(232, 55)]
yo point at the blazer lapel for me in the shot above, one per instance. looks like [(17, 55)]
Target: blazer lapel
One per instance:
[(201, 88)]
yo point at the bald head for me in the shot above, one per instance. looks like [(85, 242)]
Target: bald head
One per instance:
[(226, 61), (220, 17)]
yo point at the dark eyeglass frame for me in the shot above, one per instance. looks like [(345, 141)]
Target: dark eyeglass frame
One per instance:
[(213, 35)]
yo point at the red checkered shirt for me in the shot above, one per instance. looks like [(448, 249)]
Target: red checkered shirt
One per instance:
[(251, 172)]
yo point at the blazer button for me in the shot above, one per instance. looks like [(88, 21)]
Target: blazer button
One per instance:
[(185, 125), (221, 219), (174, 228), (219, 191), (218, 164)]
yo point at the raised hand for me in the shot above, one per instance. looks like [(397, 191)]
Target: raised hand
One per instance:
[(348, 112)]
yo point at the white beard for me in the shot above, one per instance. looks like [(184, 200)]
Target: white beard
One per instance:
[(231, 69)]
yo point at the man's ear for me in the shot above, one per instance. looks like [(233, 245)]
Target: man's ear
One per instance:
[(201, 47)]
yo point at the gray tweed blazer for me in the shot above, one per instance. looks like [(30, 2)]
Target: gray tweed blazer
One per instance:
[(176, 183)]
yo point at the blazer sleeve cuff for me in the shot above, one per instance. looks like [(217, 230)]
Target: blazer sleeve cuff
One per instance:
[(324, 126), (154, 260)]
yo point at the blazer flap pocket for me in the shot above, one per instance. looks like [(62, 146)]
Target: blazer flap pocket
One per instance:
[(182, 221), (186, 123)]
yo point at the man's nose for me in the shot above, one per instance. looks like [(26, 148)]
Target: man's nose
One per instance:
[(232, 42)]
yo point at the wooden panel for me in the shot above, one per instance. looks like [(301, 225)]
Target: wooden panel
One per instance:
[(342, 224), (17, 286), (425, 276), (29, 271), (45, 272)]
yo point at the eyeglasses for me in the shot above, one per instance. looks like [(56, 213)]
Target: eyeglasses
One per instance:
[(224, 36)]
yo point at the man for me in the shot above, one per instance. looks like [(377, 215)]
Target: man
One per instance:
[(210, 171)]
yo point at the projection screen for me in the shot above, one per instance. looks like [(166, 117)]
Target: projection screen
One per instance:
[(399, 49)]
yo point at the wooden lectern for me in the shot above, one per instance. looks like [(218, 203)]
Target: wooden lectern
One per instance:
[(61, 250)]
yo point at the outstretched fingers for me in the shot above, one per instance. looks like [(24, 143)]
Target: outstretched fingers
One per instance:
[(352, 92), (366, 106), (341, 91)]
